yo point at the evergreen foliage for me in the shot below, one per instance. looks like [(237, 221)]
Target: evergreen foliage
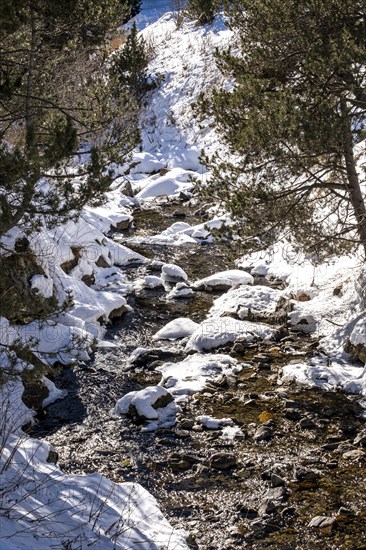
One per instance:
[(130, 65), (294, 122), (134, 8), (61, 122), (203, 10)]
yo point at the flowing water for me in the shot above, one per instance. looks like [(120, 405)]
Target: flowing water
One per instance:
[(258, 491)]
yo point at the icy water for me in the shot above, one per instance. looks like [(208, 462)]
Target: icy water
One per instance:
[(301, 457)]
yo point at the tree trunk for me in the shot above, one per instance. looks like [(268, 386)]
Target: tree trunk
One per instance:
[(353, 185)]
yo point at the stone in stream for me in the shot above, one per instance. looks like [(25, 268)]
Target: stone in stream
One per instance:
[(360, 439), (263, 433), (223, 461), (321, 522), (307, 424), (172, 273), (356, 454)]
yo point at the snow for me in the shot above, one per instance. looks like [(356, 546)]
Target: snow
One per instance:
[(230, 433), (144, 401), (181, 290), (47, 509), (340, 376), (178, 328), (173, 273), (213, 423), (53, 392), (150, 281), (218, 331), (43, 285), (181, 233), (191, 375), (245, 300), (229, 278), (176, 181)]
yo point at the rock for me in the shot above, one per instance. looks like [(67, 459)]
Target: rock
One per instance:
[(126, 188), (360, 439), (186, 424), (163, 401), (52, 457), (261, 358), (247, 511), (172, 273), (277, 481), (321, 522), (307, 424), (88, 280), (266, 508), (178, 214), (263, 433), (124, 224), (303, 474), (118, 312), (356, 454), (223, 461), (293, 414), (182, 434), (102, 262)]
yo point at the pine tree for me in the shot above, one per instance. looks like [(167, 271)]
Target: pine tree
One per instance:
[(203, 10), (56, 107), (130, 64), (295, 122)]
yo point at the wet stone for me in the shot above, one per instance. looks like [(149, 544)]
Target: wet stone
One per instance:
[(360, 440), (277, 481), (356, 454), (321, 522), (307, 424), (263, 433), (223, 461)]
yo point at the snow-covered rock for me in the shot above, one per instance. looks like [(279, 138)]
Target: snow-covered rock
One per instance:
[(172, 273), (246, 300), (150, 281), (153, 404), (232, 432), (178, 328), (213, 423), (170, 184), (218, 331), (224, 280), (181, 290), (338, 376), (191, 375)]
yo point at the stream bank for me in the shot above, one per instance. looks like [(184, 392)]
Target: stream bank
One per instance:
[(300, 455)]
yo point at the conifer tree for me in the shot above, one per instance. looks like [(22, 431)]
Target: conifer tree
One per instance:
[(203, 10), (61, 122), (130, 65), (294, 122)]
